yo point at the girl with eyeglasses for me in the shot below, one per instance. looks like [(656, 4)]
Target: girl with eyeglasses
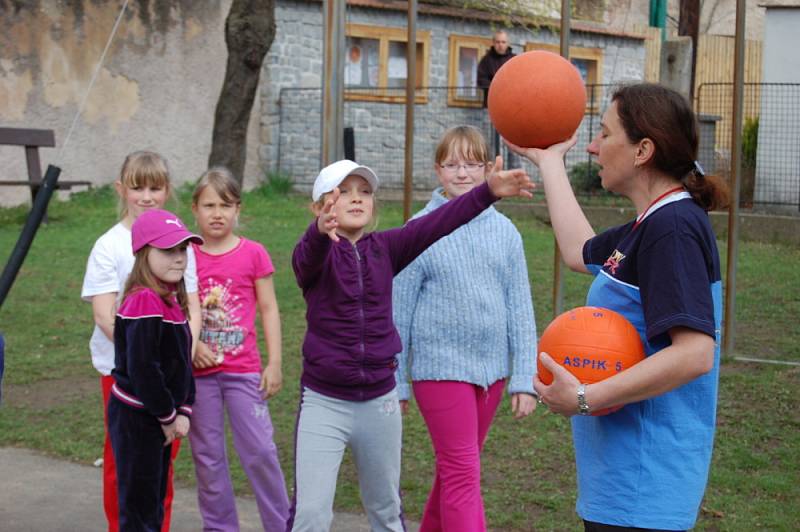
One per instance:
[(464, 312)]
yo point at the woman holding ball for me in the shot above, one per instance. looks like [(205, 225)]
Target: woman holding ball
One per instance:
[(646, 465)]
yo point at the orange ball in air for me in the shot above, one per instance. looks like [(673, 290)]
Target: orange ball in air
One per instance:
[(537, 99), (593, 343)]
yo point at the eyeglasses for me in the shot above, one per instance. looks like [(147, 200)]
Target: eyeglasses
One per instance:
[(470, 168)]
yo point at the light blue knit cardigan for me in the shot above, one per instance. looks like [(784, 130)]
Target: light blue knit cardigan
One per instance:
[(464, 310)]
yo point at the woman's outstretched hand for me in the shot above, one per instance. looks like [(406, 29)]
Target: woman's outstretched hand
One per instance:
[(327, 223), (537, 155), (507, 183)]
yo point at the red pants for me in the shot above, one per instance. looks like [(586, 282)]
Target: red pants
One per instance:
[(110, 496), (458, 415)]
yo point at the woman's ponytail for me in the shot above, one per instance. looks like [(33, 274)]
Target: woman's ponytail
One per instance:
[(710, 192)]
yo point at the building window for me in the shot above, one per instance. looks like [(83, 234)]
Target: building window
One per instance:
[(376, 68), (588, 61), (466, 52)]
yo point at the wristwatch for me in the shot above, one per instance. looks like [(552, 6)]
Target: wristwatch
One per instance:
[(583, 406)]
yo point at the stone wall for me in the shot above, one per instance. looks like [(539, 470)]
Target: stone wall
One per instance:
[(290, 119)]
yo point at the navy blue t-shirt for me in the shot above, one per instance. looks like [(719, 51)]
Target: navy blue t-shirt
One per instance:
[(646, 465)]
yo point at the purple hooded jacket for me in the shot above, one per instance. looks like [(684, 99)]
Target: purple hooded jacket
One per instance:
[(351, 342)]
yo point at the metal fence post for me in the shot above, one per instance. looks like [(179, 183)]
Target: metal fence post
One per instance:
[(729, 325), (558, 264)]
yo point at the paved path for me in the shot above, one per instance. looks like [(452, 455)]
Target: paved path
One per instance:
[(38, 493)]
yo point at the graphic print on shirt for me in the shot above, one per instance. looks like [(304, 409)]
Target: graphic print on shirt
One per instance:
[(613, 262), (221, 330)]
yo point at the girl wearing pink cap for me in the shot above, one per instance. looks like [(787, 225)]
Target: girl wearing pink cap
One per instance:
[(153, 391)]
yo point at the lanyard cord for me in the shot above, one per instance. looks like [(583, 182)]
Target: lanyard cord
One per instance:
[(669, 192)]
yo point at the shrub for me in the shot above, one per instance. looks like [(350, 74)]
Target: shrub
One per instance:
[(585, 178), (276, 183), (749, 153), (750, 142)]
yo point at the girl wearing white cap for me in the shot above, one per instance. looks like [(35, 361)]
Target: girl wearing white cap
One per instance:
[(348, 385)]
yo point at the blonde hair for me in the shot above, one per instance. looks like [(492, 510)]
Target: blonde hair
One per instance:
[(466, 141), (143, 169), (224, 184), (142, 277)]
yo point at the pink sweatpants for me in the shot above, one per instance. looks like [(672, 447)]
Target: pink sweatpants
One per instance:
[(458, 415)]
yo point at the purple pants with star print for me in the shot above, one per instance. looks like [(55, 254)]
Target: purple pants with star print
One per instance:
[(248, 415)]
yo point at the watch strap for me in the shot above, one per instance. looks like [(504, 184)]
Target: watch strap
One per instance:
[(583, 406)]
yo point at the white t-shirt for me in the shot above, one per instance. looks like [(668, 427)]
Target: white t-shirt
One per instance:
[(107, 269)]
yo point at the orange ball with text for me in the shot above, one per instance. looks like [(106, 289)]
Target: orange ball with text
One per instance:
[(592, 343), (537, 99)]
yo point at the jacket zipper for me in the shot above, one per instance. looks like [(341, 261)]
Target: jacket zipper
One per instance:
[(360, 312)]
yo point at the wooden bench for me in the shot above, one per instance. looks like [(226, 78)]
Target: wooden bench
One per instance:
[(32, 140)]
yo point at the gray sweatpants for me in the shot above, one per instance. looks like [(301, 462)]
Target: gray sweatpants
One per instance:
[(373, 431)]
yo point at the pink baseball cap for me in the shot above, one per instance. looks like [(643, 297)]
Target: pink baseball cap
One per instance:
[(160, 229)]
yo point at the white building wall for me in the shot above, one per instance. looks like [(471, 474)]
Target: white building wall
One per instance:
[(778, 156)]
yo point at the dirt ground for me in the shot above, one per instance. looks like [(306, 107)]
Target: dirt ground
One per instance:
[(42, 395)]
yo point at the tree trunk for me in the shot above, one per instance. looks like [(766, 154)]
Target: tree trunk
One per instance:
[(689, 24), (249, 32)]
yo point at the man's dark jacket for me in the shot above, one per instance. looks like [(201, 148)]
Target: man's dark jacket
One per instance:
[(488, 67)]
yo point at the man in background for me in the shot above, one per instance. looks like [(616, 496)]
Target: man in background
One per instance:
[(495, 57)]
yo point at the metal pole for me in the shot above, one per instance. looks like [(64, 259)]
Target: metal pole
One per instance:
[(411, 85), (729, 321), (332, 147), (658, 16), (558, 264), (38, 210)]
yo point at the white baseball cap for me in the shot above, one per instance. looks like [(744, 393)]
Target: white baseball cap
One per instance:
[(332, 176)]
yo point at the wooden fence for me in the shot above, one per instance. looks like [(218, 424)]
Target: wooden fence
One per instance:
[(714, 58), (714, 65)]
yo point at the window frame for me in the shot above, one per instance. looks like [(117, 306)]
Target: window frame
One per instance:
[(384, 35), (594, 75), (458, 41)]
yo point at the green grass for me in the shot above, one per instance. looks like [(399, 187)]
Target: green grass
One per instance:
[(52, 396)]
